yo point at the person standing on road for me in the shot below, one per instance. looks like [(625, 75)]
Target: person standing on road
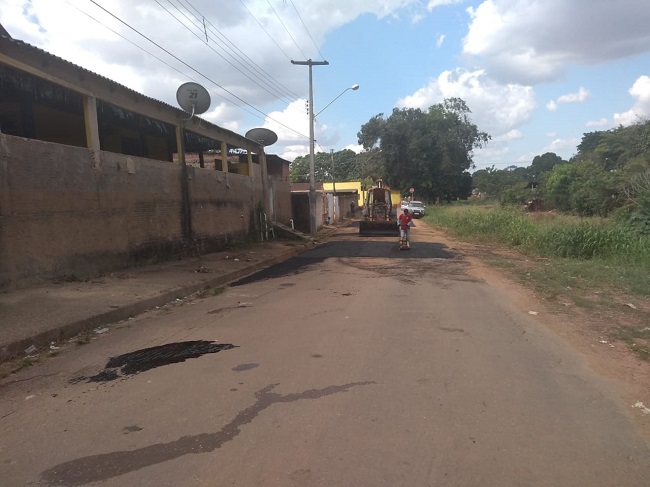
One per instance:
[(352, 208), (405, 222)]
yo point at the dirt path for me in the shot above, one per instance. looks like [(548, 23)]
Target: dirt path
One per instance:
[(585, 329)]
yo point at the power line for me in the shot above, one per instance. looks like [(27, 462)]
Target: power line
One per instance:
[(307, 30), (151, 54), (196, 71), (274, 94), (285, 88), (227, 42), (265, 31), (287, 30)]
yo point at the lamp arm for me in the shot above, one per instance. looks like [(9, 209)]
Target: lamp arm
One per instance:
[(340, 95)]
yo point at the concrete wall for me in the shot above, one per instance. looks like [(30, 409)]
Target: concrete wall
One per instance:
[(68, 211), (345, 201), (346, 186), (280, 201)]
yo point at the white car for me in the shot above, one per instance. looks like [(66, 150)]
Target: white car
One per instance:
[(416, 208)]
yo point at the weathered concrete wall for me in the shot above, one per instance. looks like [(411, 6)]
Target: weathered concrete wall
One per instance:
[(280, 200), (66, 211), (224, 207)]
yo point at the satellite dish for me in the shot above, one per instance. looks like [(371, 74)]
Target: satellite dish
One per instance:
[(262, 136), (193, 98)]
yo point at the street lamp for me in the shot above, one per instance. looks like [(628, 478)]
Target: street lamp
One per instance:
[(353, 87), (312, 181)]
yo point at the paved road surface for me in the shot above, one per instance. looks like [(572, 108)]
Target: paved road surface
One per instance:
[(353, 364)]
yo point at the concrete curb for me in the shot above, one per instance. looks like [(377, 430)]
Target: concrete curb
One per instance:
[(16, 349)]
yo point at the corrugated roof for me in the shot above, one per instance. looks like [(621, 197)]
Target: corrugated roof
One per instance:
[(5, 37), (3, 32)]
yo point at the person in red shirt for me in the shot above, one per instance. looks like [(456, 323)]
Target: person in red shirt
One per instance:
[(405, 222)]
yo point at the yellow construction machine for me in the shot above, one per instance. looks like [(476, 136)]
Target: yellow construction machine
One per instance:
[(379, 216)]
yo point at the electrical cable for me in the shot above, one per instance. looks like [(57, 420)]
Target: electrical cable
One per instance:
[(307, 30), (265, 31), (153, 55), (287, 30), (276, 94), (266, 116), (285, 89)]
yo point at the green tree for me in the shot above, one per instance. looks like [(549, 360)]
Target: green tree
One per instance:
[(429, 150), (544, 163), (583, 188), (344, 167), (299, 168), (494, 182)]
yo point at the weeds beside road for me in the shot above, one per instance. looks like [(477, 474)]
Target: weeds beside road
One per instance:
[(594, 265)]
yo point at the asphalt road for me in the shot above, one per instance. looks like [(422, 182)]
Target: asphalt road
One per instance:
[(353, 364)]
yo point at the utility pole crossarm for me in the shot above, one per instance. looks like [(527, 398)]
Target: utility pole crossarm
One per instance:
[(309, 62)]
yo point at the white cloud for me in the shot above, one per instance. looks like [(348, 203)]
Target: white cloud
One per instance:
[(529, 41), (562, 147), (580, 96), (354, 148), (551, 134), (513, 134), (641, 109), (293, 117), (496, 109), (290, 152), (439, 3), (601, 122), (440, 38)]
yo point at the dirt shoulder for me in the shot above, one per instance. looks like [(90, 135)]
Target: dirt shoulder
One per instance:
[(593, 329)]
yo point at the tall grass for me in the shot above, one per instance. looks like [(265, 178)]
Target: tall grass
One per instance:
[(547, 235)]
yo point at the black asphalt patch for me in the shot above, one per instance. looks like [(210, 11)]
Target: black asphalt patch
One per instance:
[(361, 248), (150, 358)]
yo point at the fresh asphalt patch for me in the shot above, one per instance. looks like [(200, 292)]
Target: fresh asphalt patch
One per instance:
[(361, 248), (149, 358)]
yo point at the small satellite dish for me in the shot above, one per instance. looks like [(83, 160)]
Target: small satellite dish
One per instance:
[(262, 136), (193, 98)]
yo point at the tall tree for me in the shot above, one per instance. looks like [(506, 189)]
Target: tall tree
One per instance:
[(544, 163), (343, 165), (428, 151)]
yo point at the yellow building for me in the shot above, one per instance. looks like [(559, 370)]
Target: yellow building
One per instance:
[(356, 185)]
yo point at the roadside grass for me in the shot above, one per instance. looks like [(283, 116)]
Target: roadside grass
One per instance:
[(594, 263), (596, 251), (16, 365), (214, 291), (638, 339)]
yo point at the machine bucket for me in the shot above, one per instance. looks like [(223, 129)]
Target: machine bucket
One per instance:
[(378, 229)]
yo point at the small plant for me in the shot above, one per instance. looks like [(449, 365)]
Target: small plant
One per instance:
[(638, 339), (83, 339), (26, 362), (215, 291), (218, 290)]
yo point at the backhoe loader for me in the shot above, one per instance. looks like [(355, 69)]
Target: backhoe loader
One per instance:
[(379, 216)]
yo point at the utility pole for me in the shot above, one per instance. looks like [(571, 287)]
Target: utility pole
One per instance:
[(333, 183), (312, 182)]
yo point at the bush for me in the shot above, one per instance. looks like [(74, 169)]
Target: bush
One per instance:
[(582, 188), (517, 196), (560, 236)]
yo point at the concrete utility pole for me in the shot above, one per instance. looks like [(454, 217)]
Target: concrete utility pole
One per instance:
[(333, 184), (312, 182)]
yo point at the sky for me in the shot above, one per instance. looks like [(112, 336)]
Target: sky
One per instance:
[(536, 74)]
